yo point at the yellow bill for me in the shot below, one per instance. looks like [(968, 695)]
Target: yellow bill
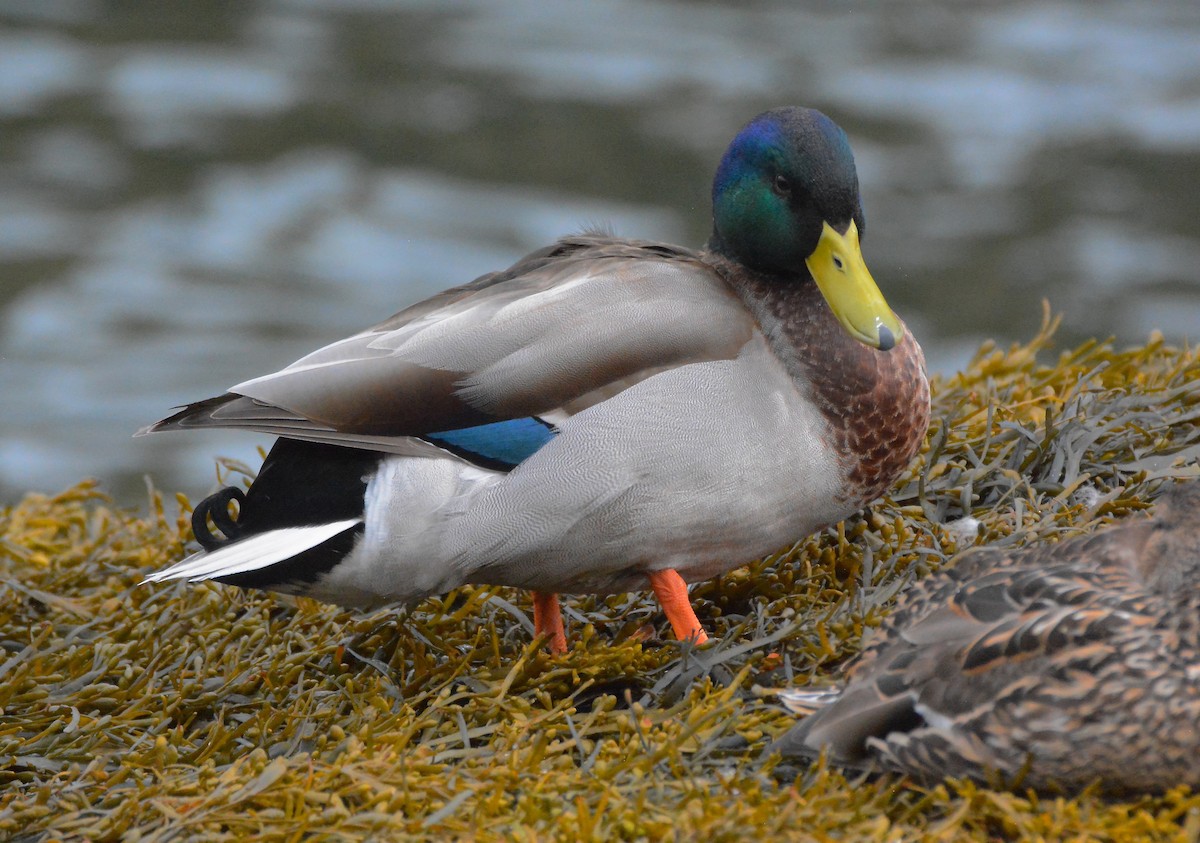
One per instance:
[(841, 274)]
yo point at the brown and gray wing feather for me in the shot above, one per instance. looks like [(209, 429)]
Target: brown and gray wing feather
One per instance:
[(561, 330), (966, 641)]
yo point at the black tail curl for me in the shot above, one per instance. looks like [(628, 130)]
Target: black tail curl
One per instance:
[(216, 507), (300, 483)]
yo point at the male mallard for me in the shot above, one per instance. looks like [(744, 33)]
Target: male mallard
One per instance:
[(602, 414), (1051, 667)]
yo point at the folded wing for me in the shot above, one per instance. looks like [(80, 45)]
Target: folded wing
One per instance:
[(560, 331)]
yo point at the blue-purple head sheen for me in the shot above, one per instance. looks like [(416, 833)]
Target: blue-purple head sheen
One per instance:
[(786, 173)]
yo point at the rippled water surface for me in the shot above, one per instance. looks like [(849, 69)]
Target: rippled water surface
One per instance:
[(192, 194)]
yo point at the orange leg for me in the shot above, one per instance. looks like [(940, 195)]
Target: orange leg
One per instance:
[(547, 620), (671, 591)]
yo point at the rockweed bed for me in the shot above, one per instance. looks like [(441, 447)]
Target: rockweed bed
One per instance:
[(204, 712)]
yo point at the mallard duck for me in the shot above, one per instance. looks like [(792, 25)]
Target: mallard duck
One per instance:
[(1052, 668), (603, 415)]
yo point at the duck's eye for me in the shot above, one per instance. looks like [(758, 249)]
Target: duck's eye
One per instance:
[(782, 185)]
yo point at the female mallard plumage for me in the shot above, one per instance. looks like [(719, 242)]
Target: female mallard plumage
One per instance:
[(603, 415), (1052, 667)]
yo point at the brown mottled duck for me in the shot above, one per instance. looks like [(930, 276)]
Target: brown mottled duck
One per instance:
[(1053, 667)]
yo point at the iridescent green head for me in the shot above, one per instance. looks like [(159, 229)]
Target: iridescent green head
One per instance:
[(786, 203)]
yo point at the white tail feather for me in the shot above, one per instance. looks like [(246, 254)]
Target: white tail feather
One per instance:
[(807, 700), (251, 553)]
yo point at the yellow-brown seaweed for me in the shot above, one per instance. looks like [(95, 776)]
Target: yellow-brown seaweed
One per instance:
[(205, 712)]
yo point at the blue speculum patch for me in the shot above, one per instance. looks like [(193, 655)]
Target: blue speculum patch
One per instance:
[(501, 445)]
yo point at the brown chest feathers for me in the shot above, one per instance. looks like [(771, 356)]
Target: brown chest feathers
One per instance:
[(876, 402)]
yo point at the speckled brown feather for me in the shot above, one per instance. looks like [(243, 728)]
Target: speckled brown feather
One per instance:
[(1050, 668), (876, 402)]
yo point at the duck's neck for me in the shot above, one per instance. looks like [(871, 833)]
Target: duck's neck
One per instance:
[(801, 328), (876, 402)]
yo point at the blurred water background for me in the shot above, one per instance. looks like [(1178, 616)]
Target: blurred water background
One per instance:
[(195, 193)]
